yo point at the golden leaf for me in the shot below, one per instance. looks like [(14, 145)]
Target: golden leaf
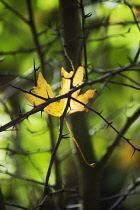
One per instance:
[(44, 90)]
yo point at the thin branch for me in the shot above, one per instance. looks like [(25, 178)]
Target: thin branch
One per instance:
[(121, 194), (84, 36), (16, 206), (45, 99), (130, 79), (42, 203), (14, 11), (124, 84), (109, 36), (60, 137), (120, 134), (70, 191), (21, 177), (30, 50), (135, 19), (47, 188), (118, 70), (18, 51), (65, 51), (116, 141), (106, 24), (57, 172), (34, 34), (127, 192), (26, 153), (66, 154)]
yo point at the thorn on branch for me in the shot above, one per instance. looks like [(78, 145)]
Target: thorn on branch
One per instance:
[(109, 124), (134, 150), (30, 91), (20, 112), (35, 77), (64, 136), (27, 118), (88, 15), (128, 140), (41, 112), (13, 127), (137, 55), (130, 60), (101, 112)]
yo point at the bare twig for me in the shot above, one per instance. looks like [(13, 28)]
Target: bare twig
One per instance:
[(124, 84), (65, 51), (16, 206), (14, 11), (120, 134), (127, 192), (21, 177), (130, 79), (35, 35), (121, 194), (116, 141), (135, 19), (70, 191), (84, 36), (18, 51), (60, 137), (56, 160), (43, 46), (108, 37), (42, 203), (26, 153), (106, 24)]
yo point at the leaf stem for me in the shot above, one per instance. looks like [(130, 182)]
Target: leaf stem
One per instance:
[(78, 146)]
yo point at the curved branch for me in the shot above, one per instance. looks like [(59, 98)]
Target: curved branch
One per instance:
[(116, 141), (119, 134), (127, 192)]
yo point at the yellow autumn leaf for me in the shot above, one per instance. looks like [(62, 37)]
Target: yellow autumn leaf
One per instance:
[(44, 90)]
